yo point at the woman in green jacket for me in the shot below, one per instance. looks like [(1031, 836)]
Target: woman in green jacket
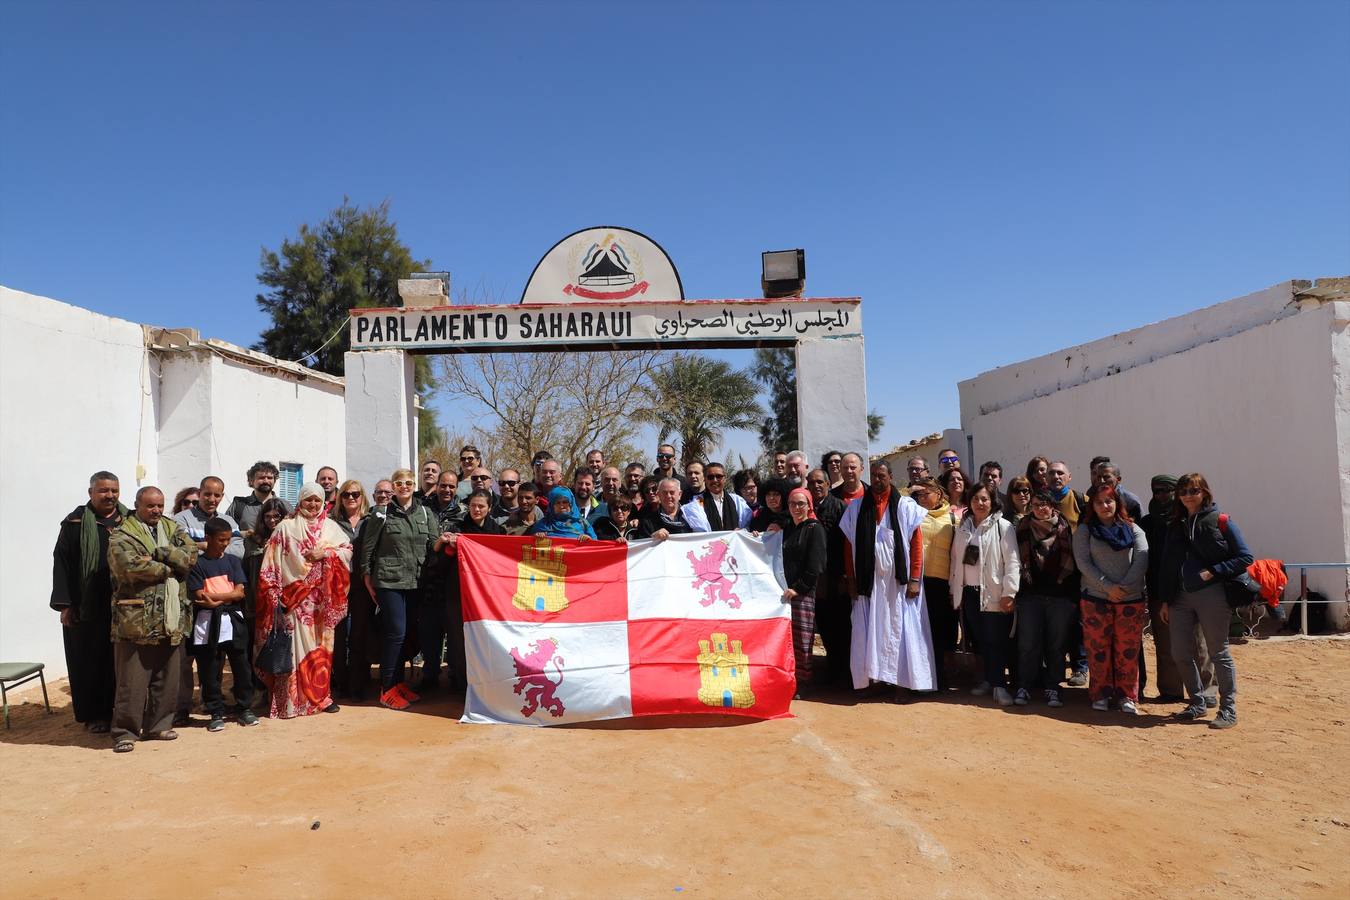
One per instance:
[(395, 545)]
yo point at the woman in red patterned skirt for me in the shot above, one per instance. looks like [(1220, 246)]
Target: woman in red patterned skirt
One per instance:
[(302, 595)]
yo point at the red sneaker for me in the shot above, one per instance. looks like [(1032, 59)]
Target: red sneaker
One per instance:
[(406, 692), (392, 699)]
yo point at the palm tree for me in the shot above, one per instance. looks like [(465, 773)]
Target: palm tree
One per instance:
[(697, 397)]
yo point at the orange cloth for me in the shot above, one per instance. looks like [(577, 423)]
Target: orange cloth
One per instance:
[(1269, 573)]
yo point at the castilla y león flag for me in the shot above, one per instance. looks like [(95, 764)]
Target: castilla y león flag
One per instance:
[(558, 630)]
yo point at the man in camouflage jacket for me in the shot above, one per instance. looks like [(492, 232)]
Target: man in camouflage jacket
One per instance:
[(150, 557)]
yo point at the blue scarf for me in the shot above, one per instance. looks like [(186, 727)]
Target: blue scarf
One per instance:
[(570, 525), (1118, 536), (1059, 493)]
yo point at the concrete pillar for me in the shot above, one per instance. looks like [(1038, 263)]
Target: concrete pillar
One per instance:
[(381, 424), (832, 396)]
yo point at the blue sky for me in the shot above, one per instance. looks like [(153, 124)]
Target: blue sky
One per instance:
[(996, 180)]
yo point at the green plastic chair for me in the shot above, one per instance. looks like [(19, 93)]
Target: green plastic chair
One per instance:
[(14, 674)]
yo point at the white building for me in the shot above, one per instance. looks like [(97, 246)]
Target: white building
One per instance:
[(80, 392), (1253, 392)]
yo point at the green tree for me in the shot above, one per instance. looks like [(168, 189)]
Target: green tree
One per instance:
[(776, 369), (351, 259), (698, 397)]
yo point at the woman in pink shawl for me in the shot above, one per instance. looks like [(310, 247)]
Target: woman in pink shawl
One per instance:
[(302, 595)]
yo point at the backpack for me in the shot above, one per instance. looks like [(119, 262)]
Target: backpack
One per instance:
[(1242, 590)]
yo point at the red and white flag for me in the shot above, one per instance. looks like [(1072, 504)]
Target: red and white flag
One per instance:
[(557, 630)]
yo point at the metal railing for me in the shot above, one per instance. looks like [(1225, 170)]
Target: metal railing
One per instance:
[(1303, 600)]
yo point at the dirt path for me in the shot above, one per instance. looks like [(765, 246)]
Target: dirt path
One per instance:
[(943, 798)]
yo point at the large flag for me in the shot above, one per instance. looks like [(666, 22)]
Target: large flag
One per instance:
[(557, 630)]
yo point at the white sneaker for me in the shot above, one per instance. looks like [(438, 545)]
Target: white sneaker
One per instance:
[(1102, 705), (1002, 697), (1129, 708), (980, 689)]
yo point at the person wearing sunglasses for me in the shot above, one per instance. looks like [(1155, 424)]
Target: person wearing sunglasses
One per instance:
[(1167, 676), (183, 499), (947, 460), (716, 508), (1203, 549), (351, 637), (508, 496), (398, 539), (665, 468), (1017, 502), (470, 458)]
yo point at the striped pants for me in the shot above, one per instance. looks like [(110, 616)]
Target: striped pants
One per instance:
[(803, 634)]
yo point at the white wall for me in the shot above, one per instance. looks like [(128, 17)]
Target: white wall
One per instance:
[(72, 384), (79, 392), (1263, 410)]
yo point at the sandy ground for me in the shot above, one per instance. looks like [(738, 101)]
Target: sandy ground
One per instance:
[(950, 797)]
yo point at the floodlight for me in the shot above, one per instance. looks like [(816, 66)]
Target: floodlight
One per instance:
[(784, 273)]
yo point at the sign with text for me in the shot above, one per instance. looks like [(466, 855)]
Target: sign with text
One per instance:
[(534, 326)]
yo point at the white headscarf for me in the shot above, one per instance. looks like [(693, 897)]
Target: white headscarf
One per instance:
[(310, 489)]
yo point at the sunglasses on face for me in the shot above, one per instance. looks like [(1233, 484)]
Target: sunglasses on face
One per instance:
[(193, 502), (949, 459), (715, 476), (504, 482), (1020, 491), (468, 459), (665, 456), (352, 495), (481, 477), (404, 483)]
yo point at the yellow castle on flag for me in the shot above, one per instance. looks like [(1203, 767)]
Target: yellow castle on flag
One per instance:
[(724, 675), (541, 577)]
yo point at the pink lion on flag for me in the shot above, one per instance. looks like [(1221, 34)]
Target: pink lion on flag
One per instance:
[(708, 574), (532, 680)]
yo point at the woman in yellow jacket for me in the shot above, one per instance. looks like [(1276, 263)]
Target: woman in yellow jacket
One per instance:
[(937, 528)]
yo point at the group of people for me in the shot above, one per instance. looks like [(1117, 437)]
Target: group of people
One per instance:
[(894, 579)]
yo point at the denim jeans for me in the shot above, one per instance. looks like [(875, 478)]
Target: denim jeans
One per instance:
[(1208, 609), (1043, 624), (394, 608)]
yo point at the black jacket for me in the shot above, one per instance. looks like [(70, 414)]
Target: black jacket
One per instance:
[(1197, 543), (803, 555), (651, 522), (829, 511)]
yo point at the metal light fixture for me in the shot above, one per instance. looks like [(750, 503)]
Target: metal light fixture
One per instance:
[(784, 273)]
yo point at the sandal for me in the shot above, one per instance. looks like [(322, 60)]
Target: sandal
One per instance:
[(124, 746), (169, 735), (393, 699)]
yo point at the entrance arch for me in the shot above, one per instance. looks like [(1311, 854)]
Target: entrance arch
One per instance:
[(825, 333)]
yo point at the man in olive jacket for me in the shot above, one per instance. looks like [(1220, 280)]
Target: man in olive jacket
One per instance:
[(150, 558)]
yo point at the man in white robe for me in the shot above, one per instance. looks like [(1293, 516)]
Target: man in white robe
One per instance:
[(892, 642)]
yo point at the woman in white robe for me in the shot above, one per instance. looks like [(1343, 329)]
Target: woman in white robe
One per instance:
[(892, 641)]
